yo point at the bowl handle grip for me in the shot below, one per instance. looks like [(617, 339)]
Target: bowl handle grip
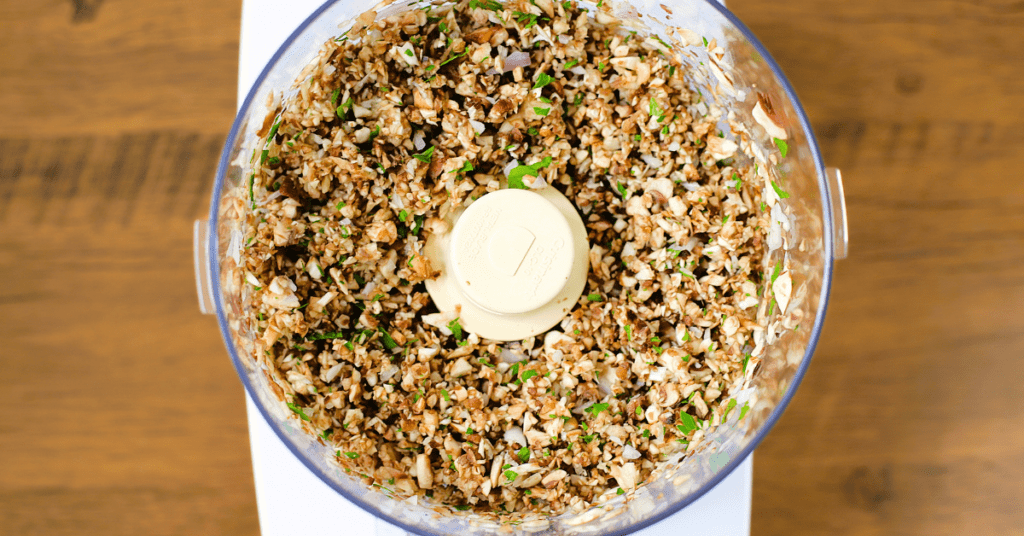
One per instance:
[(200, 256), (840, 231)]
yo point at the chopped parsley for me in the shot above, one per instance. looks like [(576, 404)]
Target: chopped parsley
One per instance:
[(779, 192), (686, 422), (352, 455), (445, 395), (453, 58), (485, 4), (467, 166), (511, 475), (515, 177), (403, 215), (654, 110), (417, 224), (542, 80), (425, 156), (594, 297), (776, 271), (622, 190), (456, 329), (524, 454), (385, 337), (782, 145), (570, 64), (597, 408), (334, 96), (541, 111), (298, 411), (344, 108), (325, 336)]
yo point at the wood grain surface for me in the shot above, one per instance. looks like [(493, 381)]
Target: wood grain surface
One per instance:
[(122, 415)]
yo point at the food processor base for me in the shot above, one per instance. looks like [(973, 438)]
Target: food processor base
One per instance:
[(290, 498)]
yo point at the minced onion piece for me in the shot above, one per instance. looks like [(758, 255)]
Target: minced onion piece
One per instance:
[(515, 435), (516, 59), (510, 166), (651, 160), (508, 356), (332, 373)]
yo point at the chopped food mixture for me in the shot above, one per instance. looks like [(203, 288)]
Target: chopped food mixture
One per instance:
[(401, 121)]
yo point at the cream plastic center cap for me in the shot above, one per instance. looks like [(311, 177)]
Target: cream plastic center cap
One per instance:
[(514, 264), (511, 251)]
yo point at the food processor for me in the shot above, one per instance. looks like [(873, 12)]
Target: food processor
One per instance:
[(300, 489)]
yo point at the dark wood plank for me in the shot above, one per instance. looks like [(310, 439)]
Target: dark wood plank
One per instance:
[(910, 420)]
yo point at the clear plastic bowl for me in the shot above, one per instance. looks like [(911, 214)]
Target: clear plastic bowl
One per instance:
[(817, 237)]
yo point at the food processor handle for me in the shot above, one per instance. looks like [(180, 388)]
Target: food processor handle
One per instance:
[(200, 256), (840, 231)]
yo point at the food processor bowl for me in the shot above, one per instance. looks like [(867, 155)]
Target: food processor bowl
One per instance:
[(743, 76)]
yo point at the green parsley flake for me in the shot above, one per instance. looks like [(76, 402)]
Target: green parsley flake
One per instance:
[(686, 423), (403, 215), (389, 342), (511, 475), (541, 111), (344, 108), (776, 271), (425, 156), (352, 455), (594, 297), (622, 190), (467, 166), (779, 192), (298, 411), (597, 408), (418, 224), (445, 395), (409, 53), (515, 177), (334, 97), (453, 58), (542, 81), (485, 4), (570, 64), (524, 454), (456, 329), (783, 146), (654, 110)]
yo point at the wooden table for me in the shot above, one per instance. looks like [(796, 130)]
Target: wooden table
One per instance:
[(121, 412)]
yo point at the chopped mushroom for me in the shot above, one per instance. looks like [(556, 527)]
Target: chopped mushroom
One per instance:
[(413, 116)]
